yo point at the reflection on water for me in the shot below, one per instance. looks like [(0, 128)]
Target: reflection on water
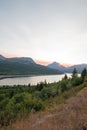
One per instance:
[(31, 80)]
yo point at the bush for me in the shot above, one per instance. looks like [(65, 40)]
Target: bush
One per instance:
[(63, 85), (76, 81)]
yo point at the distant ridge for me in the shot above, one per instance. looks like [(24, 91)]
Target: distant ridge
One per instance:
[(27, 66), (24, 60), (2, 57), (79, 68), (23, 66), (60, 67)]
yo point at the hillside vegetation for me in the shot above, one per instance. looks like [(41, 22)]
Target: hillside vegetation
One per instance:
[(55, 106), (71, 114)]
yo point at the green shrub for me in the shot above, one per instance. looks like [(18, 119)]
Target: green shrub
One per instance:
[(76, 81)]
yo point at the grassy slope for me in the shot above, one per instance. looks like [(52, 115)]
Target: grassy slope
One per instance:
[(67, 112)]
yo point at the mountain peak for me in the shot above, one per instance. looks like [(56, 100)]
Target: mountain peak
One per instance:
[(25, 60), (2, 57), (55, 64)]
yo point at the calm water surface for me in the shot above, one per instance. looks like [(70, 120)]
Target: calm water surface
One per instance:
[(31, 80)]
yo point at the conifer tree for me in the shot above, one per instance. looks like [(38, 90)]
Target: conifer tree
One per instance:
[(74, 73), (84, 74)]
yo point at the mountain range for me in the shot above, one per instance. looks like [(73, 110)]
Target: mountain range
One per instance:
[(69, 69), (23, 66), (27, 66)]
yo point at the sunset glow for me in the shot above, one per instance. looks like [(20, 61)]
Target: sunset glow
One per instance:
[(46, 30), (42, 62)]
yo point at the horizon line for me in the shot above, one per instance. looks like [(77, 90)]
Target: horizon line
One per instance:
[(39, 61)]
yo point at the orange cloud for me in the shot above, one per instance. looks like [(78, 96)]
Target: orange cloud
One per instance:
[(9, 55), (42, 62), (66, 65)]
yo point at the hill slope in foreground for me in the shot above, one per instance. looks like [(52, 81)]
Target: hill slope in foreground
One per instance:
[(70, 115)]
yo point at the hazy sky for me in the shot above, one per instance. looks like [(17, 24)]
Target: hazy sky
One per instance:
[(48, 30)]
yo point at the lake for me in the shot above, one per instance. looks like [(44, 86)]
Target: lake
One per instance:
[(33, 80)]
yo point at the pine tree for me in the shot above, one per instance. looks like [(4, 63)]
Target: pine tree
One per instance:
[(65, 77), (74, 73), (84, 74)]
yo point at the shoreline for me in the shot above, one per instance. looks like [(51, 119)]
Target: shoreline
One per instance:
[(11, 76), (16, 76)]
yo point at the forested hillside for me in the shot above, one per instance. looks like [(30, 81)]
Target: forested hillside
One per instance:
[(23, 66), (19, 102)]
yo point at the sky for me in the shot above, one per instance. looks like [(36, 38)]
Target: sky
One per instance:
[(45, 30)]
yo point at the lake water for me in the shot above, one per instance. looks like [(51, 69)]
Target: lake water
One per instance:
[(33, 80)]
